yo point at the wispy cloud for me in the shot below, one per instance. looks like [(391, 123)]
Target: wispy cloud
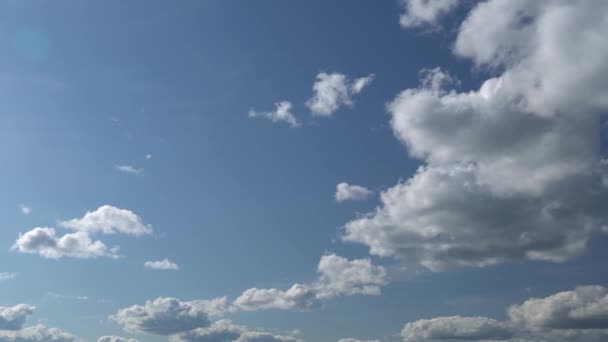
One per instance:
[(7, 276), (25, 210), (282, 113), (129, 169)]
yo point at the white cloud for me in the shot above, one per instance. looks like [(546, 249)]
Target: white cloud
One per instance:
[(337, 277), (37, 333), (164, 264), (109, 220), (332, 91), (419, 13), (456, 328), (129, 169), (168, 316), (148, 156), (43, 241), (569, 316), (13, 318), (501, 182), (7, 276), (116, 339), (346, 192), (226, 331), (282, 113), (25, 210), (356, 340)]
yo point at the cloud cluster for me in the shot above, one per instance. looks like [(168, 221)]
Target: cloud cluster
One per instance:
[(12, 320), (332, 91), (226, 331), (513, 170), (105, 220), (425, 13), (351, 192), (337, 277), (164, 264), (282, 113), (580, 315)]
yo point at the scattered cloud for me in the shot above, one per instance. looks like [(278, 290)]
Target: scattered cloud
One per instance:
[(43, 241), (282, 113), (356, 340), (351, 192), (109, 220), (332, 91), (580, 315), (129, 169), (425, 13), (13, 318), (148, 156), (116, 339), (37, 333), (25, 210), (168, 316), (7, 276), (164, 264), (298, 297), (225, 330), (499, 177)]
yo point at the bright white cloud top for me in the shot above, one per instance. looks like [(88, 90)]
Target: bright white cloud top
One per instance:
[(351, 192), (109, 220), (332, 91)]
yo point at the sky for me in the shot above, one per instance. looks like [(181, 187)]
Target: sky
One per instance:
[(303, 171)]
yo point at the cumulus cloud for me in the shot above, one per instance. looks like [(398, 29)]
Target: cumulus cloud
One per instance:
[(332, 91), (13, 318), (226, 331), (45, 242), (7, 276), (129, 169), (282, 113), (456, 328), (419, 13), (37, 333), (164, 264), (569, 316), (356, 340), (337, 276), (109, 220), (168, 316), (116, 339), (346, 192), (513, 170)]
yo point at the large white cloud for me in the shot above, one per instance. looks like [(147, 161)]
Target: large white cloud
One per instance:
[(109, 220), (456, 328), (513, 170), (167, 316), (425, 13), (282, 113), (332, 91), (338, 276), (37, 333), (13, 318), (44, 241)]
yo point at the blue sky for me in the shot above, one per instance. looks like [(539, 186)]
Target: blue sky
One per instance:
[(466, 134)]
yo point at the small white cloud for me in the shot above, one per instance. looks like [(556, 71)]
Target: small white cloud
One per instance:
[(420, 13), (108, 219), (282, 113), (116, 339), (43, 241), (164, 264), (332, 91), (148, 156), (345, 192), (7, 276), (129, 169), (25, 210)]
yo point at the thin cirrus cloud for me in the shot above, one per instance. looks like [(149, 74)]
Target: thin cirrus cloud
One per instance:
[(496, 184), (129, 169), (425, 13), (351, 192), (335, 90), (105, 220), (282, 113), (7, 276), (580, 315), (164, 264)]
